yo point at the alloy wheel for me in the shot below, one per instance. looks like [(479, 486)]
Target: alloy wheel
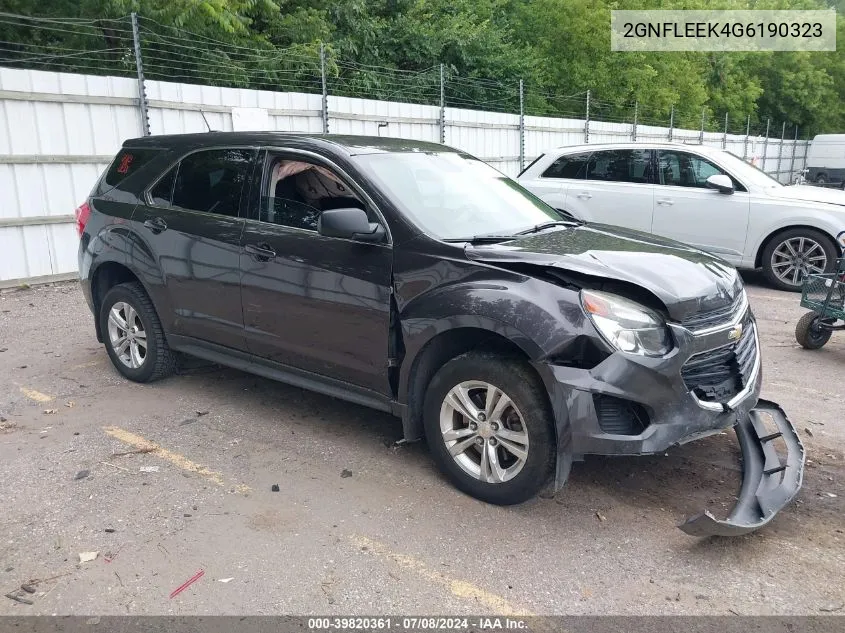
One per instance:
[(796, 257), (127, 335), (484, 432)]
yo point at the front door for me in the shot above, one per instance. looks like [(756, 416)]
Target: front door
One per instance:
[(685, 209), (316, 303), (191, 223)]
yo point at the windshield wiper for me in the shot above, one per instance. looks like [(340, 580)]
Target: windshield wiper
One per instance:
[(547, 225), (482, 239)]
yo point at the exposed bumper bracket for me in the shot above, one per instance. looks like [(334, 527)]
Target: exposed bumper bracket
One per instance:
[(767, 484)]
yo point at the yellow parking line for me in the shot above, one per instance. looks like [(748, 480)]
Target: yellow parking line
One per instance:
[(37, 396), (458, 588), (180, 461)]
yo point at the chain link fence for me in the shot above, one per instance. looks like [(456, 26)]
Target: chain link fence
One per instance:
[(142, 48)]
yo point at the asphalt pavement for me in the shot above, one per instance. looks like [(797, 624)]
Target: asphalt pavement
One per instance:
[(163, 481)]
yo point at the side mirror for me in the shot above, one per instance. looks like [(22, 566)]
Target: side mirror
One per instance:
[(721, 183), (351, 224)]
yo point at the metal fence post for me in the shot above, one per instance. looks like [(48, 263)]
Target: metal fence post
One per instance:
[(671, 122), (725, 135), (806, 151), (521, 125), (442, 106), (325, 88), (701, 135), (792, 162), (747, 134), (139, 66), (587, 120), (780, 149), (634, 126), (766, 146)]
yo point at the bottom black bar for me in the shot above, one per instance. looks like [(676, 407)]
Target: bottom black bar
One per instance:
[(407, 624)]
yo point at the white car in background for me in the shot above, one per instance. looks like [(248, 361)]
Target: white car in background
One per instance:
[(705, 197)]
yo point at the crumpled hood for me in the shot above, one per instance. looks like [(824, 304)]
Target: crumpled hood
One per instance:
[(808, 193), (685, 279)]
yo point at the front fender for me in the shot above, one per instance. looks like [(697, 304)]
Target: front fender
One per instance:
[(536, 316), (829, 223)]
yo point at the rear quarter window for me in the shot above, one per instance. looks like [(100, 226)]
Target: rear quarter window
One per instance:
[(127, 162), (568, 166)]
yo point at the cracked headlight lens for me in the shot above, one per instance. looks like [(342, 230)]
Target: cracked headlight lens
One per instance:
[(627, 325)]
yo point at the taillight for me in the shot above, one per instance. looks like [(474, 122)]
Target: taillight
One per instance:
[(83, 212)]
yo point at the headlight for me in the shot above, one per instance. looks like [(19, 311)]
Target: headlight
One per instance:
[(627, 326)]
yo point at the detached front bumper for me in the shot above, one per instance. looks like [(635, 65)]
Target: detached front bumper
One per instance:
[(768, 483), (635, 405)]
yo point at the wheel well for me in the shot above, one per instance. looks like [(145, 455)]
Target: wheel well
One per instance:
[(436, 353), (758, 260), (106, 277)]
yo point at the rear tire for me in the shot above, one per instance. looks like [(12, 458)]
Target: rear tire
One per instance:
[(807, 333), (779, 270), (518, 419), (133, 335)]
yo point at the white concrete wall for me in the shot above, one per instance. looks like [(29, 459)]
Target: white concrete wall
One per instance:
[(58, 132)]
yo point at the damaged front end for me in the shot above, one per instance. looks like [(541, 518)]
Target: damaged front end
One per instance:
[(630, 404), (768, 481)]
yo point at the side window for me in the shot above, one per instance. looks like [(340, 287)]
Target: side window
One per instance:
[(621, 165), (162, 193), (571, 166), (212, 180), (296, 192), (128, 161), (680, 169)]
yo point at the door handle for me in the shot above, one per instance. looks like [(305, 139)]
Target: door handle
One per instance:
[(156, 225), (262, 252), (666, 202), (585, 195)]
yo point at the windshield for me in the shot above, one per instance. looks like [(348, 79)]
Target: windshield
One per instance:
[(747, 172), (453, 197)]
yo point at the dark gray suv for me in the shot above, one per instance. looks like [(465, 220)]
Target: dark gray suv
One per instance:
[(412, 278)]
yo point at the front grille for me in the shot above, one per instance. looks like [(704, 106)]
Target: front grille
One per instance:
[(719, 374), (711, 318), (620, 417)]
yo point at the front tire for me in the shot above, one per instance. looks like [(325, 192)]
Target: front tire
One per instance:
[(808, 333), (133, 335), (490, 428), (793, 254)]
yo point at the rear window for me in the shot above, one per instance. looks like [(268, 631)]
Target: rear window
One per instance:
[(127, 162)]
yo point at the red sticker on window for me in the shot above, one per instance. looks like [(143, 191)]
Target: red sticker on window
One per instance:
[(125, 162)]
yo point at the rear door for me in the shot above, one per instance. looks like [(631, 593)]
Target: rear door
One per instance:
[(685, 209), (191, 222), (316, 303), (618, 188)]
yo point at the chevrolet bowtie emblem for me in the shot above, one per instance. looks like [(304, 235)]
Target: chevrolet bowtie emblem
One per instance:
[(735, 332)]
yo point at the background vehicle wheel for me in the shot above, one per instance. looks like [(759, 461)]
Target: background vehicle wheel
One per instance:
[(808, 333), (821, 179), (133, 335), (489, 427), (793, 254)]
